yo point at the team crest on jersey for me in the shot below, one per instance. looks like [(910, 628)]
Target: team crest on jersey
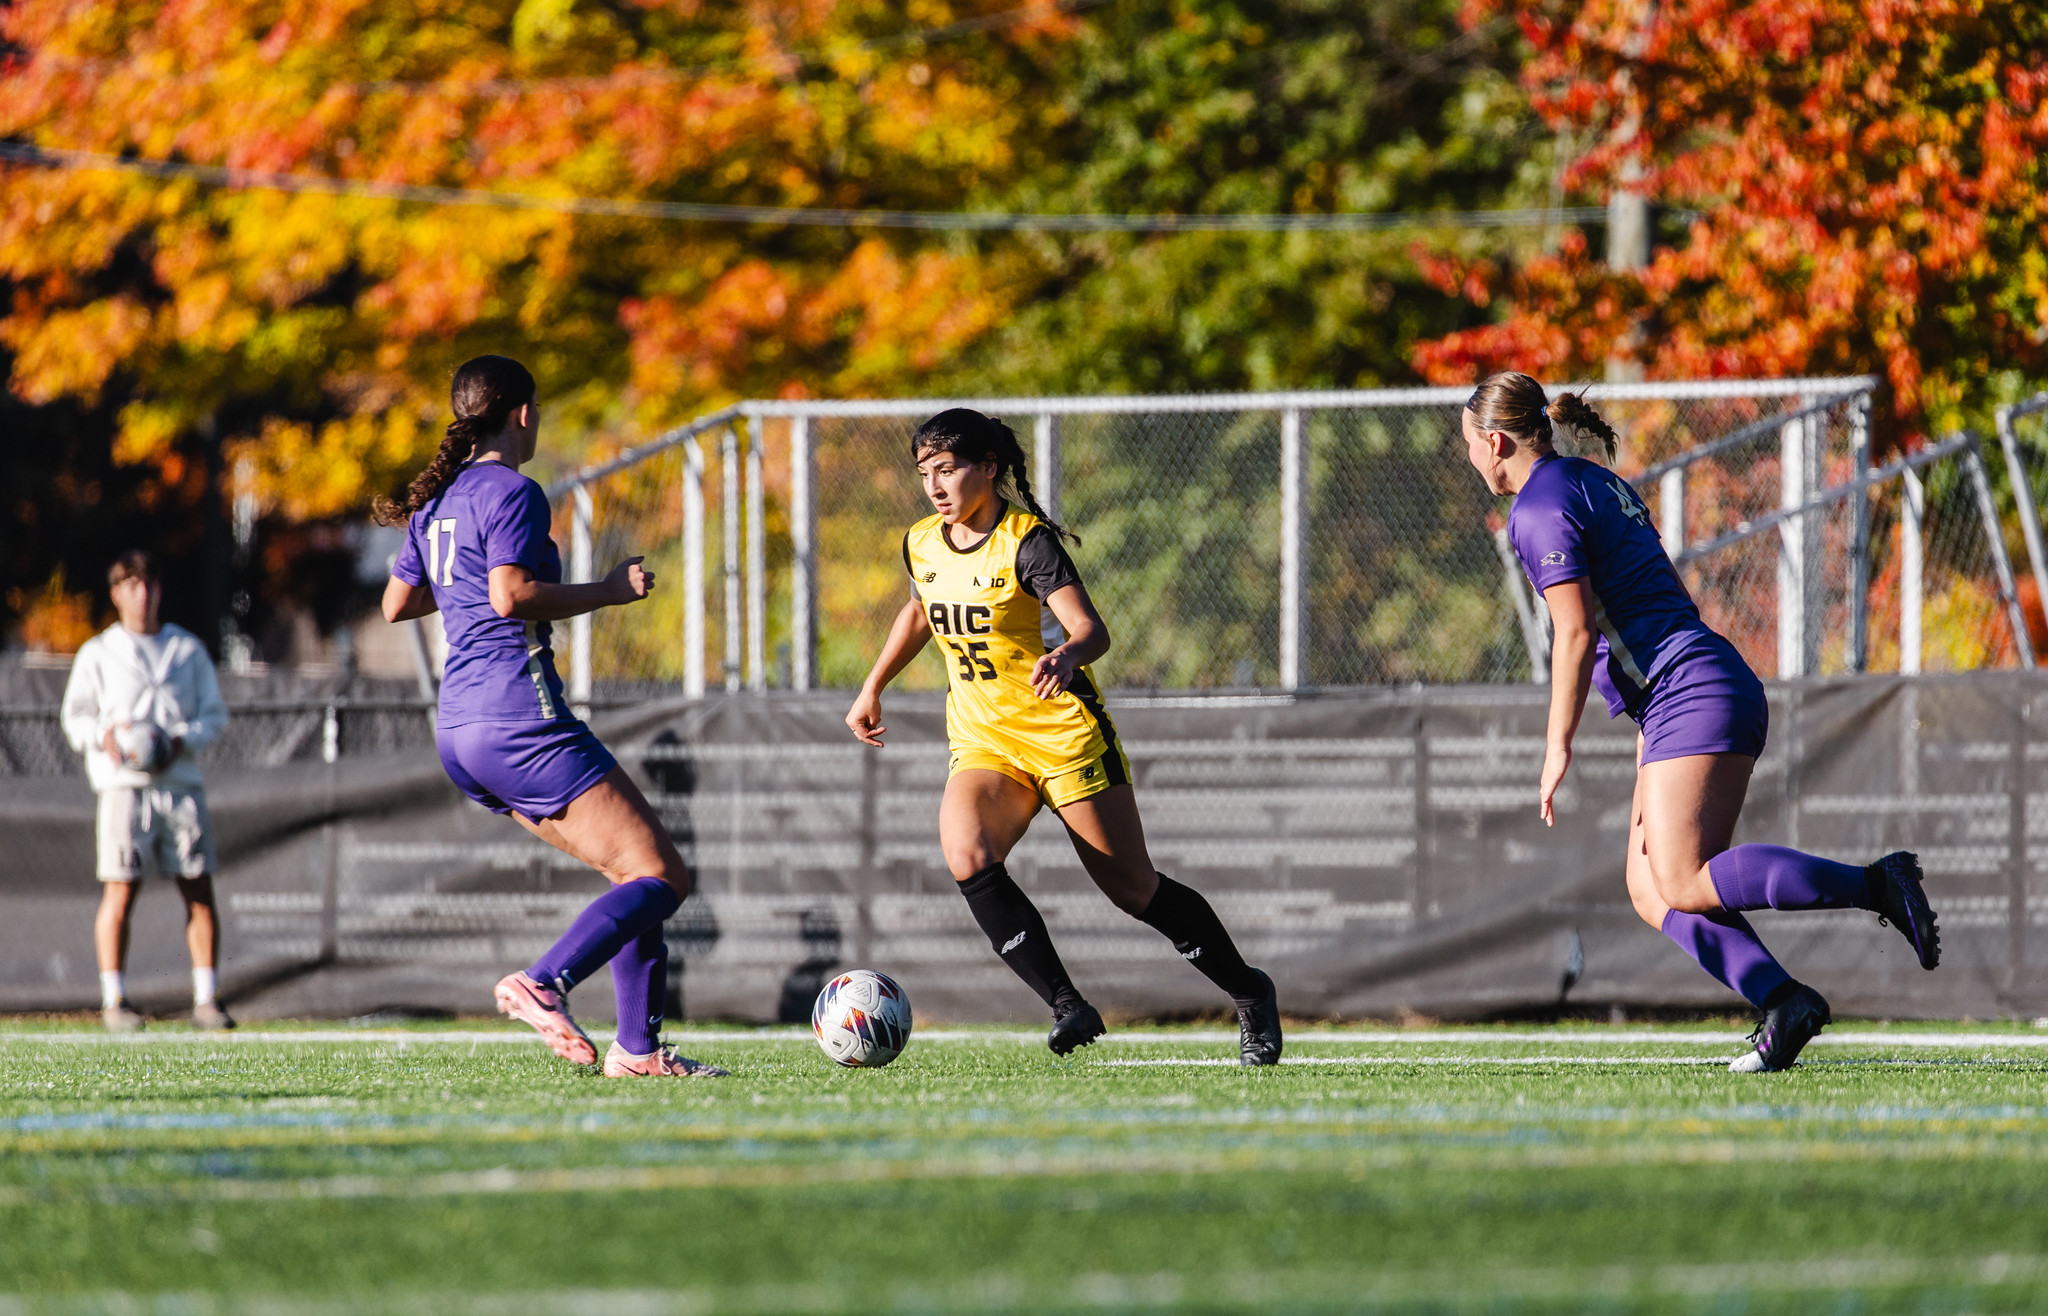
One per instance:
[(1554, 558), (1631, 507)]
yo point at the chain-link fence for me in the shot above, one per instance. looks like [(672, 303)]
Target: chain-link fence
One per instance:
[(1285, 540)]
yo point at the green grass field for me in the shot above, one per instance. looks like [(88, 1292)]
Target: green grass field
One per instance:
[(1576, 1168)]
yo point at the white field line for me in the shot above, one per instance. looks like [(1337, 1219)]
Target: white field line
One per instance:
[(1182, 1061), (1093, 1164), (1204, 1037), (1357, 1288)]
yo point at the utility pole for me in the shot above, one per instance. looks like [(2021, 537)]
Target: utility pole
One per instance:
[(1628, 209)]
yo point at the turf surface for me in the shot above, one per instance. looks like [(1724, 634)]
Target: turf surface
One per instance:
[(1498, 1170)]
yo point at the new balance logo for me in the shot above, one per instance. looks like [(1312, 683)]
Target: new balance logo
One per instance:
[(1194, 954), (930, 576), (1013, 943)]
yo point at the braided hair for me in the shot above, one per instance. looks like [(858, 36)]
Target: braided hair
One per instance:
[(969, 435), (1513, 403), (486, 391)]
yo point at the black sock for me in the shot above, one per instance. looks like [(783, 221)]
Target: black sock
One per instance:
[(1017, 932), (1185, 918), (1877, 884)]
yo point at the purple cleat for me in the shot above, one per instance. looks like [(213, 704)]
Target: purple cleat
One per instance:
[(1901, 901)]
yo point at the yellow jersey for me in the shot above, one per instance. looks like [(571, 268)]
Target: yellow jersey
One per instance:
[(982, 603)]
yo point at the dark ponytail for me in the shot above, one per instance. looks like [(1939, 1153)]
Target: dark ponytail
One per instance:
[(486, 391), (1513, 403), (969, 435)]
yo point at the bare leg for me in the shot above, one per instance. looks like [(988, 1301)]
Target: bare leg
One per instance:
[(983, 816), (110, 925), (615, 830), (1109, 837), (1689, 809), (1642, 885), (202, 925)]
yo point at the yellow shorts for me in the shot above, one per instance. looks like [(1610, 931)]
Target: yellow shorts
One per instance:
[(1071, 783)]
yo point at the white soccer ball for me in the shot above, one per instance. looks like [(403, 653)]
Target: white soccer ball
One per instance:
[(862, 1019), (143, 746)]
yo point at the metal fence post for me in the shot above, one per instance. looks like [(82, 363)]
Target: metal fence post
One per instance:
[(583, 512), (1045, 462), (1912, 555), (1671, 511), (803, 567), (757, 567), (1798, 548), (2023, 495), (1994, 537), (729, 523), (693, 569), (1293, 542), (1859, 535)]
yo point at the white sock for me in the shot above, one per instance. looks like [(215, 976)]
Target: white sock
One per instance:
[(110, 988), (205, 985)]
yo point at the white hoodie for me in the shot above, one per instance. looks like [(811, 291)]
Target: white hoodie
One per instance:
[(117, 679)]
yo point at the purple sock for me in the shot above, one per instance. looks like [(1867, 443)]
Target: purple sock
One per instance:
[(639, 977), (1727, 948), (605, 925), (1774, 877)]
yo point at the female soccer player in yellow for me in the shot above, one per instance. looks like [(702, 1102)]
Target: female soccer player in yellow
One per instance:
[(1027, 727)]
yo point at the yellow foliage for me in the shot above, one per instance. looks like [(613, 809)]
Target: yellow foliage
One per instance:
[(53, 619), (318, 331)]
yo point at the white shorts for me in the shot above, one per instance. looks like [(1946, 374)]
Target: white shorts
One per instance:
[(144, 830)]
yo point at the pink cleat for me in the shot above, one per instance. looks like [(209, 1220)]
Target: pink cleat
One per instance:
[(664, 1063), (547, 1011)]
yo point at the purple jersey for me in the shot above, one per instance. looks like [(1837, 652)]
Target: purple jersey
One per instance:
[(1574, 520), (499, 669)]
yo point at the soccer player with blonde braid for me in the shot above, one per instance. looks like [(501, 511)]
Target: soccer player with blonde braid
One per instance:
[(1624, 622), (1027, 727)]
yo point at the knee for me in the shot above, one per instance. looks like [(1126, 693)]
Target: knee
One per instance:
[(966, 858), (672, 871), (1689, 892), (1649, 908), (1132, 896)]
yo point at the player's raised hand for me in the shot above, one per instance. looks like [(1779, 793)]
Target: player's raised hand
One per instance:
[(630, 581), (1555, 763), (864, 719), (1051, 674)]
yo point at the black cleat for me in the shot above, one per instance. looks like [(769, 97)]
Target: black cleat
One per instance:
[(1786, 1029), (1902, 902), (1075, 1029), (1258, 1027)]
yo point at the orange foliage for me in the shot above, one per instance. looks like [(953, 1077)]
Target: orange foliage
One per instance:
[(1868, 173), (316, 332)]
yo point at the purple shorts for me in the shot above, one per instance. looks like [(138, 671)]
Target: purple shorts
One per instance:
[(1706, 702), (536, 768)]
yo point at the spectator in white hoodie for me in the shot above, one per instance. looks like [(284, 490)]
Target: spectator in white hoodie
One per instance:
[(141, 703)]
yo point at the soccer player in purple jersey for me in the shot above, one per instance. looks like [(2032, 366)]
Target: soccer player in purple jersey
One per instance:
[(1623, 621), (477, 551)]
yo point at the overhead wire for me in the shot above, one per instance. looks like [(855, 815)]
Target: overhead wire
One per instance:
[(221, 176)]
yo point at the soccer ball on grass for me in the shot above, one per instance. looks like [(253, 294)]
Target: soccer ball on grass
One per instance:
[(862, 1019)]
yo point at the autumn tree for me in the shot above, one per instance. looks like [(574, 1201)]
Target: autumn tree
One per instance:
[(307, 338), (1867, 177)]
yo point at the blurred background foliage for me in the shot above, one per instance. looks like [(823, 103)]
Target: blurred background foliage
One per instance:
[(1859, 187)]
